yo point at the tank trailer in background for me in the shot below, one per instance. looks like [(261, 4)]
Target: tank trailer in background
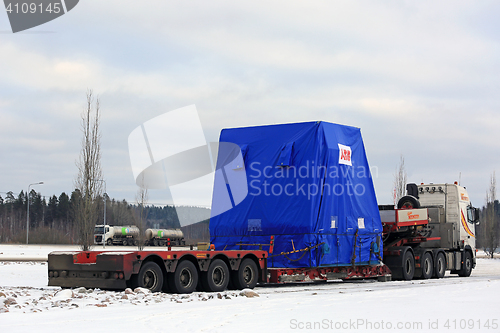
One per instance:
[(129, 235)]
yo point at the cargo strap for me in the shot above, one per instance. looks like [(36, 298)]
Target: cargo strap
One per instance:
[(304, 250)]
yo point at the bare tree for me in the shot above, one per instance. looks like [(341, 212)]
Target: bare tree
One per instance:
[(491, 227), (142, 200), (87, 181), (400, 178)]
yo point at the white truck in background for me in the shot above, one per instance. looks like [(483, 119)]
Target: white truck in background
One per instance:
[(116, 235), (129, 235)]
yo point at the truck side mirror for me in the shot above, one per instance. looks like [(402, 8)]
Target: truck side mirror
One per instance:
[(472, 214)]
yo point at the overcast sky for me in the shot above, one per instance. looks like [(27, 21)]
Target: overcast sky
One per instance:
[(420, 78)]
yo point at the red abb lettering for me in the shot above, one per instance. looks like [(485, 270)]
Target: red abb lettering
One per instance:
[(346, 155)]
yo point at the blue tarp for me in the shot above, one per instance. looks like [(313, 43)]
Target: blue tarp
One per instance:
[(309, 185)]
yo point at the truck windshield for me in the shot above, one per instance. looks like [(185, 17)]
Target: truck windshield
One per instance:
[(99, 230)]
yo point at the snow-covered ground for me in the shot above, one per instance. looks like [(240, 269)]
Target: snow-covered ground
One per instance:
[(450, 304), (40, 252)]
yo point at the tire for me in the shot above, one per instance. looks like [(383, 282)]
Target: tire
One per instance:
[(246, 276), (408, 202), (162, 243), (427, 266), (109, 242), (155, 242), (136, 242), (150, 277), (216, 278), (466, 269), (440, 266), (185, 278), (131, 242), (408, 266), (124, 242)]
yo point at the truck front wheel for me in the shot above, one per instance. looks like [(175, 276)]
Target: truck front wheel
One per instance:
[(109, 242), (246, 276), (184, 279), (466, 269), (150, 277)]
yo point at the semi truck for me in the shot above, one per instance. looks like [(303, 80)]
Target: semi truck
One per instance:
[(432, 231), (129, 235), (305, 211)]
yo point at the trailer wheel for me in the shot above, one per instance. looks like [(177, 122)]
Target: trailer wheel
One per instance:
[(155, 242), (427, 266), (124, 243), (466, 269), (440, 268), (408, 202), (150, 277), (185, 278), (408, 266), (246, 276), (216, 278), (109, 242)]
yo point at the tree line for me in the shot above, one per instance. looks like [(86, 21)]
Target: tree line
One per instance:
[(53, 220), (488, 230)]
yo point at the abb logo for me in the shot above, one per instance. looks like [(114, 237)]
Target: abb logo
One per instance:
[(412, 216), (345, 155)]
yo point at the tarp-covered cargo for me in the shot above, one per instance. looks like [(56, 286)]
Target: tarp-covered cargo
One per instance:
[(309, 185)]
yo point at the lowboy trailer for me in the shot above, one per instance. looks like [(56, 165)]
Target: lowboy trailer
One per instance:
[(310, 214), (184, 271)]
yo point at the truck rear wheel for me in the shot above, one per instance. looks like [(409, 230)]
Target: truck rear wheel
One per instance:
[(440, 268), (466, 269), (408, 266), (150, 277), (246, 276), (216, 278), (184, 279), (427, 266)]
